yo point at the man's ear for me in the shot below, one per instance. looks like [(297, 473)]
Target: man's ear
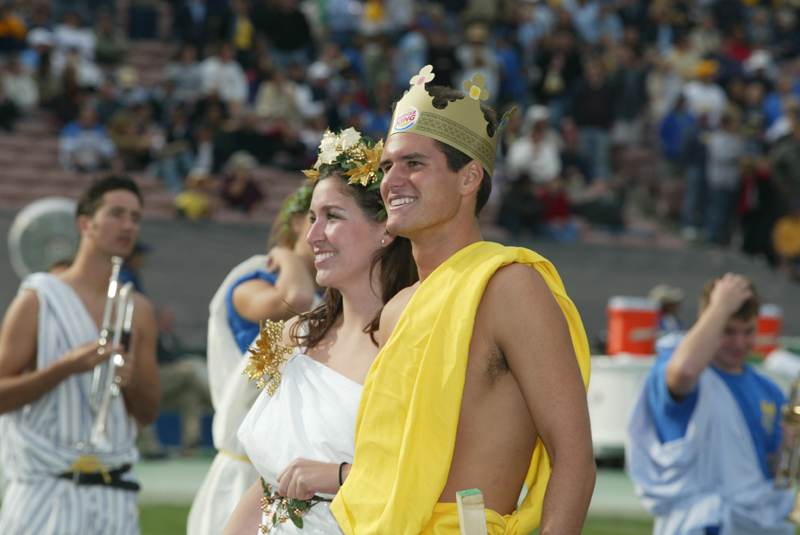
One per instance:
[(82, 223), (472, 178)]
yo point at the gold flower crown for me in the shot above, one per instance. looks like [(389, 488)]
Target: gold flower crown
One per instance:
[(358, 155)]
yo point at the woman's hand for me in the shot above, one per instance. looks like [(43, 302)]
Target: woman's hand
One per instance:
[(303, 478)]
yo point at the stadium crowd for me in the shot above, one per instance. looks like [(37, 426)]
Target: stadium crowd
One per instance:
[(710, 87)]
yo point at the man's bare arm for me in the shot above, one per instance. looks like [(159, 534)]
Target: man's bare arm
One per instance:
[(531, 331), (697, 349), (20, 382), (140, 376)]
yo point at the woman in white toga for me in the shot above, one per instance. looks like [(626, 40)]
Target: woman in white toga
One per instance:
[(301, 437), (262, 287)]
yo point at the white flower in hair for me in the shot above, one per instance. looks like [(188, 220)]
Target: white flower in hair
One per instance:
[(349, 138), (328, 150)]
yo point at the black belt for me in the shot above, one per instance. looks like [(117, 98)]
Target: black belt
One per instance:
[(110, 479)]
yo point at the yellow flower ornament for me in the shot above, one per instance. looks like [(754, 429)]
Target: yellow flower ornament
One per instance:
[(267, 355), (366, 172), (476, 88)]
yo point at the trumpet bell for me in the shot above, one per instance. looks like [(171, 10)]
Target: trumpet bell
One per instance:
[(788, 468)]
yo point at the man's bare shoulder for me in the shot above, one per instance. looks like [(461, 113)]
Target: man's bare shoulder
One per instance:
[(518, 304), (516, 283), (393, 310), (397, 304), (144, 314), (23, 310), (25, 302), (18, 334), (143, 304)]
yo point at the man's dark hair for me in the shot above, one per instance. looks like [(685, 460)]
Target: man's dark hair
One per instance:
[(456, 160), (92, 197), (746, 312)]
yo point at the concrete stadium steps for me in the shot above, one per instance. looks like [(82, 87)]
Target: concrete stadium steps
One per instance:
[(37, 126), (276, 184), (30, 170)]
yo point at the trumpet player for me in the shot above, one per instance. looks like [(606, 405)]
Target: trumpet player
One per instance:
[(705, 430), (49, 345)]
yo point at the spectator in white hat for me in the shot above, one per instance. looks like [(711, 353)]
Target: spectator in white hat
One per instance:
[(40, 41), (537, 153), (670, 298)]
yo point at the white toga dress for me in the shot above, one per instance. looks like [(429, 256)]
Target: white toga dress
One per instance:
[(311, 416)]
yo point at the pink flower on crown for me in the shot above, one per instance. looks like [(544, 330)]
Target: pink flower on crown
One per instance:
[(476, 88), (425, 75)]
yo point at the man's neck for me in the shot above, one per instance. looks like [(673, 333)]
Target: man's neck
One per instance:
[(90, 270), (433, 247), (732, 370)]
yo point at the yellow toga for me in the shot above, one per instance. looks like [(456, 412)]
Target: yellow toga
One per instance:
[(407, 419)]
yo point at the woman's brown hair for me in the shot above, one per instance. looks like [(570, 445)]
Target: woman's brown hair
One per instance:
[(395, 263)]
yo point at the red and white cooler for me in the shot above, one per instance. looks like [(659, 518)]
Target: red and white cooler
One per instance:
[(768, 331), (632, 325)]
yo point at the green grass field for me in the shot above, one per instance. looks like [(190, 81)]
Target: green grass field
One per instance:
[(163, 520), (167, 520)]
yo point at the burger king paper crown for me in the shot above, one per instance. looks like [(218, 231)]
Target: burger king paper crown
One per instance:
[(461, 124)]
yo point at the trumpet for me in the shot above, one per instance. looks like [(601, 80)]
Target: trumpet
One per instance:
[(105, 382), (789, 461)]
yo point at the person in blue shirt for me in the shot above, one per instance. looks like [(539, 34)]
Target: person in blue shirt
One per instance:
[(673, 130), (283, 286), (674, 396)]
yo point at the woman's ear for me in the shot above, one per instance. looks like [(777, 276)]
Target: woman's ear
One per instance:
[(387, 238)]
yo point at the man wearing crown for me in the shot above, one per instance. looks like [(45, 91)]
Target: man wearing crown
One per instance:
[(481, 379)]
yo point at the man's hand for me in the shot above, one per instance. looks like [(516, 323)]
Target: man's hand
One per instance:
[(303, 478), (729, 293), (85, 357), (700, 345), (128, 370)]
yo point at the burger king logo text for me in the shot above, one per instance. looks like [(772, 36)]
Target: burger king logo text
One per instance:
[(406, 119)]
